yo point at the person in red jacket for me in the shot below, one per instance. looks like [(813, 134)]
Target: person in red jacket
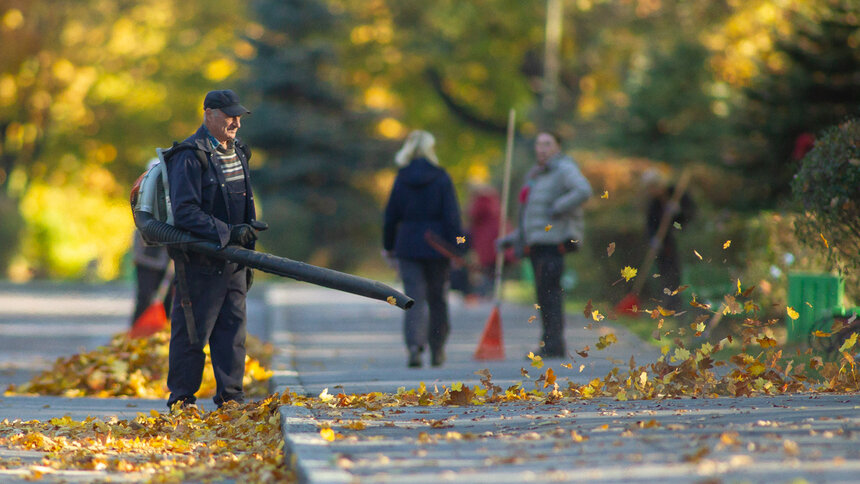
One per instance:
[(484, 220)]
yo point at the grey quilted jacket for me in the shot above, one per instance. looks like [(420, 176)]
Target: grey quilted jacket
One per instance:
[(552, 212)]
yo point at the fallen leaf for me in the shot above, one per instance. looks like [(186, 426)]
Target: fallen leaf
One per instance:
[(356, 425), (549, 378), (537, 361), (610, 249), (628, 273), (849, 343), (588, 309), (727, 244), (327, 434), (766, 342), (605, 341)]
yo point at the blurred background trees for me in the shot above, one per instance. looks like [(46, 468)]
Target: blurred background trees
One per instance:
[(87, 90), (316, 146), (811, 82), (734, 90)]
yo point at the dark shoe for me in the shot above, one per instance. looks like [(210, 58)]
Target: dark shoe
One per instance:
[(183, 406), (437, 358), (414, 357)]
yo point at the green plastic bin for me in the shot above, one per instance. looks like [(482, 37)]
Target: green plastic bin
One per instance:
[(813, 296)]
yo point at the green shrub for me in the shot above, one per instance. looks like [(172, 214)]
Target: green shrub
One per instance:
[(827, 190)]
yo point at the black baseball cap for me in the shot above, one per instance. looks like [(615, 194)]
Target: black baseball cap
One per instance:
[(227, 101)]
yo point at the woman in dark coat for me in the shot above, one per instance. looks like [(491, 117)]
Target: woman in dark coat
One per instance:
[(422, 200)]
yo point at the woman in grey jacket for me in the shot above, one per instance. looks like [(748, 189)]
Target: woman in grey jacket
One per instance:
[(551, 225)]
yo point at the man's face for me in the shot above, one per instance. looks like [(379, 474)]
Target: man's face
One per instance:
[(221, 126), (545, 147)]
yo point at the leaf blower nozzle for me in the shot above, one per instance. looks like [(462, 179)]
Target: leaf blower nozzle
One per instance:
[(157, 232)]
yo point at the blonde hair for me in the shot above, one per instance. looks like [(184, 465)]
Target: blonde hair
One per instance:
[(418, 144)]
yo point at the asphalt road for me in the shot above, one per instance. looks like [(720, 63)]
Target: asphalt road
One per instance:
[(346, 344)]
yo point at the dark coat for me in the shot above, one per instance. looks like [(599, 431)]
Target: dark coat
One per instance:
[(199, 195), (215, 288), (422, 199)]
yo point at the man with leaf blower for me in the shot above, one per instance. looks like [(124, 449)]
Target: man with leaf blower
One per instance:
[(211, 196)]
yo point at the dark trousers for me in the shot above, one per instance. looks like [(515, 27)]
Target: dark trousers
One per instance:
[(668, 263), (217, 295), (148, 280), (548, 264), (424, 280)]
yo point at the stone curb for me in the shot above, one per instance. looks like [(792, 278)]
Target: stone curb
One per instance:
[(309, 454)]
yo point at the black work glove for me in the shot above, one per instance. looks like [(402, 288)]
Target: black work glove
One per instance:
[(242, 234), (259, 226), (249, 278)]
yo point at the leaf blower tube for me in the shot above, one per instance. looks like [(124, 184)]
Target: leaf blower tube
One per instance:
[(160, 232)]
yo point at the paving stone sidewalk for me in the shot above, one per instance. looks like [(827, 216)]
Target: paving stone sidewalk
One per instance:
[(41, 322), (352, 345)]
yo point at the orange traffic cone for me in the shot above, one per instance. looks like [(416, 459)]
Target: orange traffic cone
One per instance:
[(491, 346), (153, 320)]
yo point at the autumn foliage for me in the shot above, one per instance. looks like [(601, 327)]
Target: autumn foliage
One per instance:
[(239, 442), (136, 367)]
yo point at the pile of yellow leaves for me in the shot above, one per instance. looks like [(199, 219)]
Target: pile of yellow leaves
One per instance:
[(242, 442), (759, 368), (136, 367)]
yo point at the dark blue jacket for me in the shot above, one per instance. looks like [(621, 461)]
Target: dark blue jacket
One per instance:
[(422, 199), (199, 196)]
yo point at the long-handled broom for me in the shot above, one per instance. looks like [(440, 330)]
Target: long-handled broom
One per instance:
[(630, 304), (491, 346)]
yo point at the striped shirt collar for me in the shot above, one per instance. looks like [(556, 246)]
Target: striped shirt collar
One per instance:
[(213, 141)]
